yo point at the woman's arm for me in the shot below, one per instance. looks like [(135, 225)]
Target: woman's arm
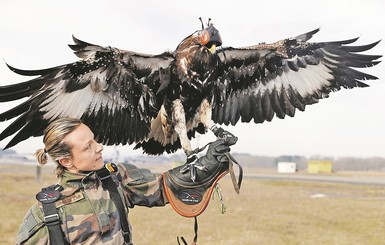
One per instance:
[(141, 186), (33, 230)]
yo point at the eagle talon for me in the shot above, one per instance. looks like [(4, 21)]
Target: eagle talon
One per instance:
[(229, 138), (191, 158), (191, 166), (190, 161)]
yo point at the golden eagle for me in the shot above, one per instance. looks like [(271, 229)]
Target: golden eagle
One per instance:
[(159, 102)]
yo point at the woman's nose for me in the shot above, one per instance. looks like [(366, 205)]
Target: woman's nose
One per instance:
[(99, 148)]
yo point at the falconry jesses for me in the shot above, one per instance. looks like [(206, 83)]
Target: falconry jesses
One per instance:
[(159, 102)]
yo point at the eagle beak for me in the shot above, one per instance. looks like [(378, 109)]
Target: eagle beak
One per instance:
[(210, 38), (213, 48)]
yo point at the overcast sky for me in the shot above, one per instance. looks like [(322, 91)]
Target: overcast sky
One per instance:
[(35, 34)]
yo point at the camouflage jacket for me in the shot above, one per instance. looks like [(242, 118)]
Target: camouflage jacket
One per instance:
[(87, 214)]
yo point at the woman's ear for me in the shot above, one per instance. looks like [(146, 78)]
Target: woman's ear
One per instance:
[(66, 162)]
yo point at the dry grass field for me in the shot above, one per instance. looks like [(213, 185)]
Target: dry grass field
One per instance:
[(266, 212)]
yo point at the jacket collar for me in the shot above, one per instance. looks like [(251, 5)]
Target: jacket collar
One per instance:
[(72, 182)]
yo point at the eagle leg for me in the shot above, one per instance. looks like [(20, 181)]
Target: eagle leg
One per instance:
[(205, 112), (180, 126)]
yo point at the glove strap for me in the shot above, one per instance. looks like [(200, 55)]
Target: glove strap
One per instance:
[(190, 163), (195, 234), (236, 183)]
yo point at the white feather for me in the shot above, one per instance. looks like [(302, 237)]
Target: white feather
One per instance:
[(77, 103), (306, 81)]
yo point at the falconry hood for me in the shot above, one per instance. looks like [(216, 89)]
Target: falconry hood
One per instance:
[(210, 38)]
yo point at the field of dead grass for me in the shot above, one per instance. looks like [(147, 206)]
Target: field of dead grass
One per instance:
[(266, 212)]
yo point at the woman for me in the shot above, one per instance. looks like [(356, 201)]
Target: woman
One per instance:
[(84, 207)]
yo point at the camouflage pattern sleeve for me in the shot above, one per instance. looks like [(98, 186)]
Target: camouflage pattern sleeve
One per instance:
[(141, 186), (33, 230)]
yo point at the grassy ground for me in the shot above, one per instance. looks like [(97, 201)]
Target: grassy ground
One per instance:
[(266, 212)]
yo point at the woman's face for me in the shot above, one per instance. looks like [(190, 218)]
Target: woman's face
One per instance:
[(86, 152)]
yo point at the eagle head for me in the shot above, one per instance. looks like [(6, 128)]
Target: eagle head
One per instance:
[(196, 56), (210, 38)]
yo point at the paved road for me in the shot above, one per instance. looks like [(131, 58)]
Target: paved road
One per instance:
[(359, 179), (353, 179)]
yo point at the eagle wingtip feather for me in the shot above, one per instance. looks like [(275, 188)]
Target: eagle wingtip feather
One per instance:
[(308, 35)]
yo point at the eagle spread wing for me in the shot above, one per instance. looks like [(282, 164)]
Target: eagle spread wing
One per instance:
[(261, 81), (160, 101), (110, 89)]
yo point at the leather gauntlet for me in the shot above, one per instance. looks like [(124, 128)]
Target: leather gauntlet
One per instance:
[(189, 187)]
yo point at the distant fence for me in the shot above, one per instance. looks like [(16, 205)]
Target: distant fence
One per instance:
[(38, 174)]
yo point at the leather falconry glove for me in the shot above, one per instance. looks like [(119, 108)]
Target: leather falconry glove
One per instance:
[(189, 187)]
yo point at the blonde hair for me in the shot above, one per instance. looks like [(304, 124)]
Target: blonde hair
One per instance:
[(55, 147)]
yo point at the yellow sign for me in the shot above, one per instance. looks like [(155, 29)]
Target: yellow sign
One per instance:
[(319, 166)]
